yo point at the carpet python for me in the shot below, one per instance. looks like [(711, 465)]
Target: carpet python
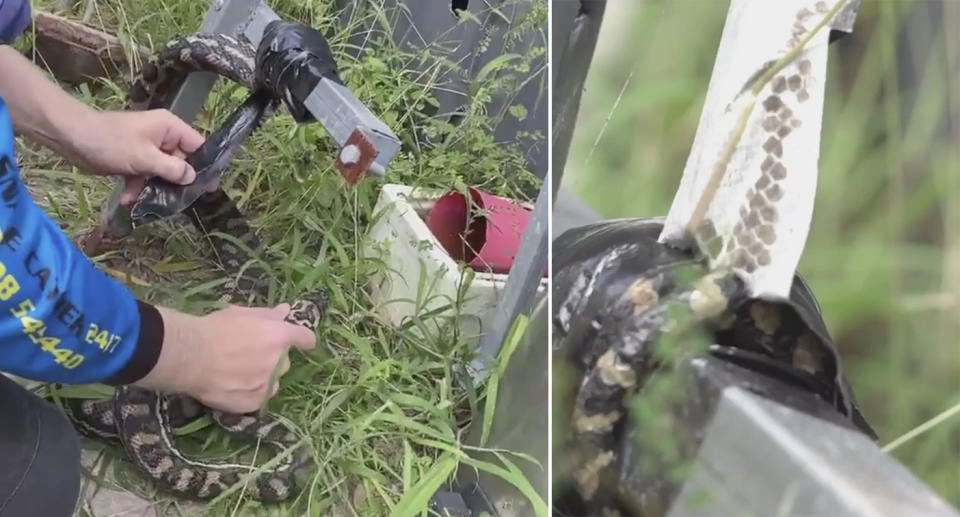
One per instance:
[(617, 293), (141, 420)]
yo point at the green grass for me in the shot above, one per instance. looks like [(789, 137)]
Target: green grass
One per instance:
[(883, 256), (382, 408)]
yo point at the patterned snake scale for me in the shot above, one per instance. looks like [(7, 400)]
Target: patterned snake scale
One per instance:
[(143, 420), (617, 291)]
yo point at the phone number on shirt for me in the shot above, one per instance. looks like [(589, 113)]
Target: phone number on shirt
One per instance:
[(36, 330)]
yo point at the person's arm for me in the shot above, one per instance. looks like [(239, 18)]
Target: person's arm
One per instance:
[(63, 320), (38, 107), (60, 318), (130, 144)]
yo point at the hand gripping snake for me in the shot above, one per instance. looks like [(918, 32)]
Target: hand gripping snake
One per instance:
[(141, 420)]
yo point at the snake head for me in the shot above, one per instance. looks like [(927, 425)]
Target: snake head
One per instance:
[(309, 310)]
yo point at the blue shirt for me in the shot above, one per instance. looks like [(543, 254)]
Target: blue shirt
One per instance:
[(14, 19), (61, 319)]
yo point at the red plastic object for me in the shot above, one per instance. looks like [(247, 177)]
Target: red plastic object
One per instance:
[(485, 234)]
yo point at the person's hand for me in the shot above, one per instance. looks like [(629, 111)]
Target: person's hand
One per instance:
[(226, 359), (135, 145)]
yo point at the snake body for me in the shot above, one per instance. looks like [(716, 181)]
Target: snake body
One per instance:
[(220, 54), (143, 421), (161, 199), (618, 295)]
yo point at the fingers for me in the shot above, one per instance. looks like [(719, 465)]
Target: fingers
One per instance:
[(244, 400), (282, 369), (284, 364), (253, 401), (301, 337), (134, 184), (277, 313), (177, 140), (289, 335), (169, 167), (179, 136), (240, 404), (245, 351)]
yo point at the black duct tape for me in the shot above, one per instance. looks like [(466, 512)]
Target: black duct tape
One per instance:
[(292, 59)]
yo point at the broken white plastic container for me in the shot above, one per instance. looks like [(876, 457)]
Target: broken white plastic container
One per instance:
[(418, 279)]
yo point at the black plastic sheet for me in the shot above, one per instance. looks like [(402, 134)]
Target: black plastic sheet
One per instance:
[(161, 199)]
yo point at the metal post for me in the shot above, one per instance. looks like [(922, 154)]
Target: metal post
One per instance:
[(756, 446), (576, 28), (521, 289), (223, 17), (761, 457), (520, 424)]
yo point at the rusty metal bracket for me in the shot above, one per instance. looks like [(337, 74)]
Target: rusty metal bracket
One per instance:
[(355, 157)]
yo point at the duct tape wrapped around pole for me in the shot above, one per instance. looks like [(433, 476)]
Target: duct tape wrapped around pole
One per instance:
[(292, 59)]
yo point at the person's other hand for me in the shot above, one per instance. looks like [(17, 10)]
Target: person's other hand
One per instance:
[(226, 359), (135, 145)]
